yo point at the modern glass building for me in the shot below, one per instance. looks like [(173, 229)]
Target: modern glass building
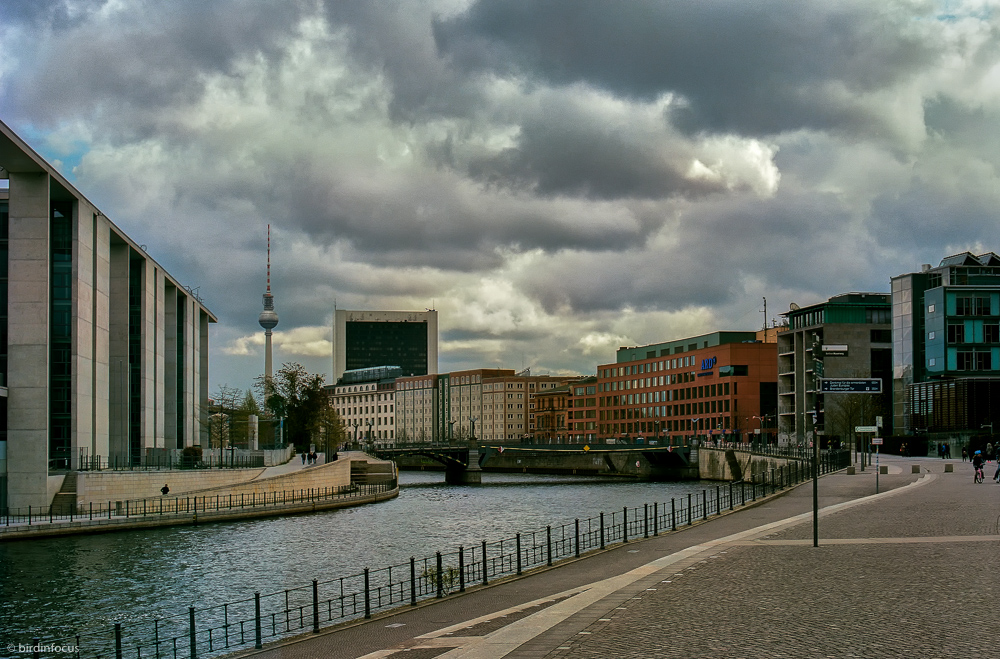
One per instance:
[(368, 339), (103, 354), (946, 347)]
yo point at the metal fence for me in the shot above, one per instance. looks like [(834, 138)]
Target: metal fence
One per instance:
[(250, 622), (178, 505)]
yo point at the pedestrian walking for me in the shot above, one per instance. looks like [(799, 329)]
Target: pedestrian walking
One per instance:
[(164, 490), (965, 454), (947, 450), (303, 457)]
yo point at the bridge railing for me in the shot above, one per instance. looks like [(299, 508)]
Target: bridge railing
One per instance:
[(250, 622)]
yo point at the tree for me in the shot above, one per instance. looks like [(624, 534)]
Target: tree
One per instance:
[(300, 399)]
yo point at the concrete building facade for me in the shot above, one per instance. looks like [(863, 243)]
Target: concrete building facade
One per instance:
[(365, 401), (104, 354), (367, 339), (851, 336), (490, 405)]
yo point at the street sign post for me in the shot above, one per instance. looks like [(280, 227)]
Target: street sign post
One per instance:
[(877, 441), (851, 385)]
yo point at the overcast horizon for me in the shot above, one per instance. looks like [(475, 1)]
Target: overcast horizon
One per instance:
[(558, 179)]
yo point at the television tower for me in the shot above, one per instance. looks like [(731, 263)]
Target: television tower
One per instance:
[(268, 319)]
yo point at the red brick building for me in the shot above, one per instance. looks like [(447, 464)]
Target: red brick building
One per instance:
[(722, 384)]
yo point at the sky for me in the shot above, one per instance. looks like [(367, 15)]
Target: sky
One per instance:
[(558, 179)]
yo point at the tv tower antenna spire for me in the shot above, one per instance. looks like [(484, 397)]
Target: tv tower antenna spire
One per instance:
[(268, 318)]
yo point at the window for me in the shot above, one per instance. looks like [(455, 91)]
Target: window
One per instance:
[(956, 333), (991, 333), (930, 308), (931, 336)]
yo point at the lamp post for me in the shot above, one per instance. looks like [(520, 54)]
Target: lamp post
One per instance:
[(356, 423), (472, 424), (451, 431)]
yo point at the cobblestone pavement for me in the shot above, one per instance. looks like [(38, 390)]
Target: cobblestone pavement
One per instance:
[(906, 573)]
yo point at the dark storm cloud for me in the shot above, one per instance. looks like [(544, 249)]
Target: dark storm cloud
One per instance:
[(129, 65), (749, 67), (58, 14)]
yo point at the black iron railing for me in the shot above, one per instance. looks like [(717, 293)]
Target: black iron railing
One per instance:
[(252, 621)]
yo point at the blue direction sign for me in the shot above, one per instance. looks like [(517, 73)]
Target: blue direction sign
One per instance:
[(851, 385)]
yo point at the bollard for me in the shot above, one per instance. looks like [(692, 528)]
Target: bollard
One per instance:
[(548, 542), (315, 607), (485, 578), (949, 468), (461, 568), (517, 539), (194, 642), (413, 581), (914, 469), (368, 599)]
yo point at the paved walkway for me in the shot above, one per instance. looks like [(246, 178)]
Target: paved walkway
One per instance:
[(909, 572)]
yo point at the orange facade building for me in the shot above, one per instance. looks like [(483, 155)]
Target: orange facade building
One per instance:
[(718, 385)]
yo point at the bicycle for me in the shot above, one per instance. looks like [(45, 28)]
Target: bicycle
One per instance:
[(979, 474)]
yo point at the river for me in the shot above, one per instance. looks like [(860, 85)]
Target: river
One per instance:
[(53, 587)]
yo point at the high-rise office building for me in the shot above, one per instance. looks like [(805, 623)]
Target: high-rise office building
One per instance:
[(367, 339), (946, 348)]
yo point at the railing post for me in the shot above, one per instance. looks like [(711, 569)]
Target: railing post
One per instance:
[(440, 576), (548, 543), (35, 642), (194, 641), (461, 569), (673, 515), (518, 547), (256, 612), (368, 598), (602, 529), (730, 495), (577, 538), (704, 504), (485, 564), (656, 519), (690, 516), (645, 520), (413, 581), (315, 607), (625, 524)]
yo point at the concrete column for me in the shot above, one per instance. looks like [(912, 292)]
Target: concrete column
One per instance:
[(159, 358), (202, 380), (101, 372), (28, 332), (83, 333), (170, 366)]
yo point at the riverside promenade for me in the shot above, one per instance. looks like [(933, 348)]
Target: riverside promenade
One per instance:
[(909, 572)]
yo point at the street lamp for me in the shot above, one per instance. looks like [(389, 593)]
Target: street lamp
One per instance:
[(472, 424)]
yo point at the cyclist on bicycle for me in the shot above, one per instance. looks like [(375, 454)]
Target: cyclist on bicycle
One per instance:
[(977, 462)]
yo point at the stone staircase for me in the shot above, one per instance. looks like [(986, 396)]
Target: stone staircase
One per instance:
[(64, 503)]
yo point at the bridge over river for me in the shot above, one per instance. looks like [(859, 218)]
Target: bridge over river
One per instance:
[(464, 462)]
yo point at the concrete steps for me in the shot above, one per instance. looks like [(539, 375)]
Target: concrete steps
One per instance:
[(64, 503)]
